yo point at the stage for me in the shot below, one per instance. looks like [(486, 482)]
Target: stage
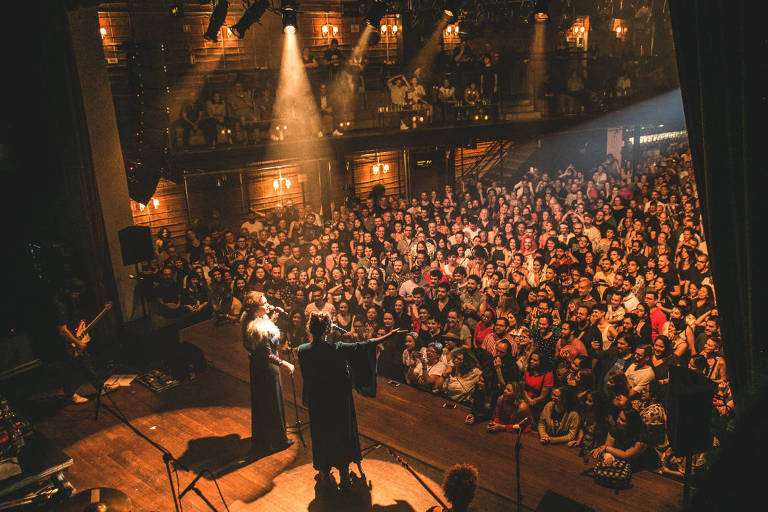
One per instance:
[(205, 423)]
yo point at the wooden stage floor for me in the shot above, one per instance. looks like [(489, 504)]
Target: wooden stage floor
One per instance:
[(204, 424)]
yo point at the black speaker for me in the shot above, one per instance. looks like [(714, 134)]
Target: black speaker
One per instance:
[(689, 411), (553, 502), (136, 244), (143, 177)]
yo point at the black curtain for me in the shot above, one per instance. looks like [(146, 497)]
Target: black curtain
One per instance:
[(721, 55)]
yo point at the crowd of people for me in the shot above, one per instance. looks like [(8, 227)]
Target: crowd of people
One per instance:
[(556, 303), (461, 84)]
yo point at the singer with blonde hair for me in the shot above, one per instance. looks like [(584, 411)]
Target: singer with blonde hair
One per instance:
[(261, 339)]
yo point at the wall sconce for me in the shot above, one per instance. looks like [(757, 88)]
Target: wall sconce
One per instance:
[(383, 168), (329, 29), (281, 182), (155, 203), (389, 28), (103, 32)]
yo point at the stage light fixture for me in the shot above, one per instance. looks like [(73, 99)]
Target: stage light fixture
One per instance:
[(541, 11), (218, 16), (288, 10), (250, 16), (451, 8), (376, 11)]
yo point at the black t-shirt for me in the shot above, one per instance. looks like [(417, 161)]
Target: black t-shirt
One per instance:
[(333, 56), (67, 311)]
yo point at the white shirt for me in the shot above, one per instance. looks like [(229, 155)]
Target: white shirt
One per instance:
[(638, 379)]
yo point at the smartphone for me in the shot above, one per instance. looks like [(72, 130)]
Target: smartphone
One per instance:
[(393, 383), (449, 405)]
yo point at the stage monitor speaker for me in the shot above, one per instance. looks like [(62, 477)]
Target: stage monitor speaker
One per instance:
[(553, 502), (689, 411), (136, 244)]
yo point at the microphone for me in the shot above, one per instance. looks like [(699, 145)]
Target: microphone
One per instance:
[(340, 329)]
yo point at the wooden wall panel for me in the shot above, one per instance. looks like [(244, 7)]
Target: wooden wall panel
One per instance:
[(364, 179), (170, 211)]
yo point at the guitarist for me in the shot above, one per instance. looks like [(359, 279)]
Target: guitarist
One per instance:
[(77, 362)]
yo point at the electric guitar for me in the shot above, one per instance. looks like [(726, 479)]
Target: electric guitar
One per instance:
[(81, 332)]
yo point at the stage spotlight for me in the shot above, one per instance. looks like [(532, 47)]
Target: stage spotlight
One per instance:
[(451, 8), (541, 11), (288, 10), (376, 11), (218, 16), (250, 16)]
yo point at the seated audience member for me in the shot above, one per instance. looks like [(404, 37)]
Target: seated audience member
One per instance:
[(559, 421), (215, 116), (510, 410), (661, 359), (191, 115), (654, 416), (501, 371), (569, 346), (459, 488), (460, 381), (242, 111), (426, 372), (594, 423), (194, 299), (640, 373), (627, 440), (538, 383)]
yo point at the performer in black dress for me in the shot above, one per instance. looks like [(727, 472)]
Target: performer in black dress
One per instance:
[(260, 338), (330, 370)]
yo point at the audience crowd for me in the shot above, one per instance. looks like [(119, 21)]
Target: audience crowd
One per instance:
[(556, 303), (462, 84)]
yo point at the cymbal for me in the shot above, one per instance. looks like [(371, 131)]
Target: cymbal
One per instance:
[(99, 499)]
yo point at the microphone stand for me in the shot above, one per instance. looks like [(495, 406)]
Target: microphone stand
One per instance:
[(296, 427), (171, 464)]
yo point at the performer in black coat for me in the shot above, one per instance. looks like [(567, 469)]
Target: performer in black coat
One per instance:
[(260, 338), (328, 393)]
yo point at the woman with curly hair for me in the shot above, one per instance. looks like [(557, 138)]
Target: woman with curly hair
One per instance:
[(328, 394), (459, 488)]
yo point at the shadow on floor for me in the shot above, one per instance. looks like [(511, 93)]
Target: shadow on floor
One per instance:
[(220, 455), (356, 499)]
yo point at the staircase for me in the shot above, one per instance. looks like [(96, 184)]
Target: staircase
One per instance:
[(503, 161), (520, 109)]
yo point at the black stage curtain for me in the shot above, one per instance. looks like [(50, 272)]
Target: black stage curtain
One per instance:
[(721, 55)]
